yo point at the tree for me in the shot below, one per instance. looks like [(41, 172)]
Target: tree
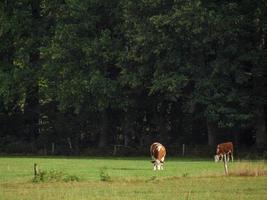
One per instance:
[(82, 50)]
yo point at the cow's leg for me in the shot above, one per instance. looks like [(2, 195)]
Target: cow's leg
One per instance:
[(228, 156), (221, 157), (156, 165), (162, 162), (161, 166)]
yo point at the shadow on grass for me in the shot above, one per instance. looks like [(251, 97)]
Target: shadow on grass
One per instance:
[(127, 169), (131, 158)]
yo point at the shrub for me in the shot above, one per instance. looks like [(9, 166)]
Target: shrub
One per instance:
[(185, 174), (104, 176), (53, 176)]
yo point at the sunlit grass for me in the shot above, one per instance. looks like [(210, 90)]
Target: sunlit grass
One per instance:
[(88, 169), (131, 178), (249, 169)]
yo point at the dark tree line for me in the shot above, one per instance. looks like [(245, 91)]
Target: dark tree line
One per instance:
[(81, 75)]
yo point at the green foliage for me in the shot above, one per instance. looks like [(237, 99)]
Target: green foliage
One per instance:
[(104, 176), (170, 83), (140, 60), (54, 176)]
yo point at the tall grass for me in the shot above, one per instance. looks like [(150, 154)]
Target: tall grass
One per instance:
[(248, 169)]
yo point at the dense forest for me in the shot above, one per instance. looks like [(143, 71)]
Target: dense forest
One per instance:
[(80, 76)]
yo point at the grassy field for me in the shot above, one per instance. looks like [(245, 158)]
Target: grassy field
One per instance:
[(132, 178)]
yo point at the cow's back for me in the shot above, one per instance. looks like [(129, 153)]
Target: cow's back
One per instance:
[(157, 151), (224, 148)]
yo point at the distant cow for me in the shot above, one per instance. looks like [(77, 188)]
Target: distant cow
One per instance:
[(224, 149), (158, 153)]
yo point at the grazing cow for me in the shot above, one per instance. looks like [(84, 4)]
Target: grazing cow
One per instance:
[(224, 149), (158, 153)]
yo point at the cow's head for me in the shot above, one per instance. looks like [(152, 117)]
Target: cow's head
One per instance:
[(218, 158)]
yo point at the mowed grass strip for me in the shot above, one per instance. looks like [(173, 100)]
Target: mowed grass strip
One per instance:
[(130, 178), (88, 168)]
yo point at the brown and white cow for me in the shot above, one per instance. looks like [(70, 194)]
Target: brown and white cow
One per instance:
[(158, 153), (224, 149)]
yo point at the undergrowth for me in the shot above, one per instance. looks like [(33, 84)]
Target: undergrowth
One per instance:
[(54, 176), (248, 169), (104, 176)]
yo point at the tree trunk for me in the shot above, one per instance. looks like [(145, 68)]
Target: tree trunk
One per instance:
[(7, 54), (260, 126), (32, 110), (260, 85), (103, 137), (211, 133), (126, 129), (236, 142)]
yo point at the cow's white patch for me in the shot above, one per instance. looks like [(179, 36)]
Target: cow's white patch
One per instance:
[(157, 165), (159, 148), (216, 158)]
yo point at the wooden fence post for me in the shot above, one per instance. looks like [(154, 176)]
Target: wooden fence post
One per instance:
[(225, 164)]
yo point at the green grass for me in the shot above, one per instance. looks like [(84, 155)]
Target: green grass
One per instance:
[(132, 178)]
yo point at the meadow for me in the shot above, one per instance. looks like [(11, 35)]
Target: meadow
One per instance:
[(132, 178)]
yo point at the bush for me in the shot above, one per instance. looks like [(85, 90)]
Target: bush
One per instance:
[(53, 176), (104, 176)]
